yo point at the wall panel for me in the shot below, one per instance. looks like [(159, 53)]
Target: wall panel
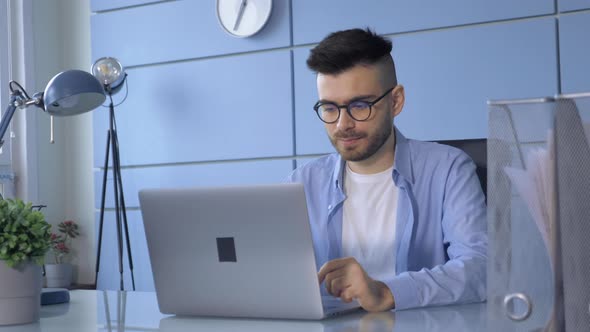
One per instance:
[(312, 19), (449, 75), (217, 109), (101, 5), (205, 175), (178, 30), (574, 52), (568, 5)]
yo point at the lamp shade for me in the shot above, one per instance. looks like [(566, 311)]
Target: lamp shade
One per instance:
[(72, 92)]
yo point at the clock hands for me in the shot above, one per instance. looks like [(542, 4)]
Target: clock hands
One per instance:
[(240, 14), (243, 18)]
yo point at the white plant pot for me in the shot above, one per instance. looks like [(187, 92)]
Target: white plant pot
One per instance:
[(58, 275), (20, 293)]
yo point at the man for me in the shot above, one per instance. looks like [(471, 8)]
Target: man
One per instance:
[(396, 223)]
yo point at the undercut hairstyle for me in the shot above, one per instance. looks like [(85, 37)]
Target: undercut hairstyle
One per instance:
[(342, 50)]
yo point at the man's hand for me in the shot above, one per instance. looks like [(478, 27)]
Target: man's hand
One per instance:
[(345, 278)]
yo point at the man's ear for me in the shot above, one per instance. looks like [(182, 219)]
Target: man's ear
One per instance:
[(399, 99)]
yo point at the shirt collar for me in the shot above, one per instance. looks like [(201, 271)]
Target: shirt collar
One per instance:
[(401, 163)]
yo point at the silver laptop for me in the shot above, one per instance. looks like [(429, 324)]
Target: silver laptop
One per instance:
[(234, 251)]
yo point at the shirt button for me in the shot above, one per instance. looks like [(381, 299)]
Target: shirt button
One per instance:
[(329, 207)]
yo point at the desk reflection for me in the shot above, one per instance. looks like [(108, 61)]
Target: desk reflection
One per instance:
[(34, 327), (469, 317), (138, 311), (449, 318)]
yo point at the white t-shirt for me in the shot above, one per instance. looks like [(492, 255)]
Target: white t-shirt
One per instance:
[(368, 224)]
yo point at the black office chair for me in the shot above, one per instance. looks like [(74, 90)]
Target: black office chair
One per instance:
[(478, 151)]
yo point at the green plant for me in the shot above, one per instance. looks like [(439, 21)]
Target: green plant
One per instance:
[(24, 233), (61, 244)]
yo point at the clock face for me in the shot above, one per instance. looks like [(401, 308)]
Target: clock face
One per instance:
[(243, 18)]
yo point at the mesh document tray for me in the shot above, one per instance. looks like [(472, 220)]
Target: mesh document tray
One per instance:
[(539, 214)]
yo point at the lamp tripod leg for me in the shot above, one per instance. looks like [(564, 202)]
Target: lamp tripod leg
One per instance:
[(102, 203), (117, 201), (117, 162), (120, 210)]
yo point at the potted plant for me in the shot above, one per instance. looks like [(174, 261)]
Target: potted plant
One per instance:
[(59, 273), (24, 240)]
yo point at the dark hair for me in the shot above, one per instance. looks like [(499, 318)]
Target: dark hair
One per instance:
[(342, 50)]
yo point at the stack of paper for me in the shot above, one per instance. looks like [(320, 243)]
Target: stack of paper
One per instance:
[(536, 186)]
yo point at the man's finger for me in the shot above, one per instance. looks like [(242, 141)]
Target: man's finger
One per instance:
[(331, 266), (338, 285), (331, 276), (335, 274), (347, 295)]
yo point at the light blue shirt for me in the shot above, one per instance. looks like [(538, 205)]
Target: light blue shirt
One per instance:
[(441, 232)]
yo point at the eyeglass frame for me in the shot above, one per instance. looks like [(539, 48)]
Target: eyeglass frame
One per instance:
[(347, 107)]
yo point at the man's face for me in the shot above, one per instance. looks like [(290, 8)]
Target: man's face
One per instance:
[(357, 140)]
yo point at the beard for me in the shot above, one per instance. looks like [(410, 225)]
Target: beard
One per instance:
[(374, 142)]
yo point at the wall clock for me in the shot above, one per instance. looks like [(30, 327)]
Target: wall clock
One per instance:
[(243, 18)]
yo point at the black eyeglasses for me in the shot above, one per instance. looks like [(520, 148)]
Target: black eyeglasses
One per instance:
[(359, 110)]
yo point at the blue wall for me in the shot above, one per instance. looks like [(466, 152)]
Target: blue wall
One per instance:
[(205, 108)]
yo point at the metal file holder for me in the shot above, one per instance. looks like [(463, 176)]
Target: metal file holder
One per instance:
[(537, 284)]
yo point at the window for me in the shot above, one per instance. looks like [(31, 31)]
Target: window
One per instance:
[(5, 50), (7, 184)]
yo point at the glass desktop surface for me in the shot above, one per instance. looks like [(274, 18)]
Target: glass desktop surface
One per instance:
[(103, 311)]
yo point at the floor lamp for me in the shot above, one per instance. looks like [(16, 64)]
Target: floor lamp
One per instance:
[(112, 75)]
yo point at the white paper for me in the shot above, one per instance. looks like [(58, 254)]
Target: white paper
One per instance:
[(536, 186)]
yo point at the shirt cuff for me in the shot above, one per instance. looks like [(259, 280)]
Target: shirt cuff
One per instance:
[(404, 291)]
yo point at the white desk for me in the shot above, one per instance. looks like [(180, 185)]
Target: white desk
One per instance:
[(138, 311)]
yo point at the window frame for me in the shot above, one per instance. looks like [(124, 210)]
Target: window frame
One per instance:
[(5, 60)]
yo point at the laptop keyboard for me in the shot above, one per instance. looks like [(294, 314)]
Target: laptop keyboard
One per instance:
[(331, 304)]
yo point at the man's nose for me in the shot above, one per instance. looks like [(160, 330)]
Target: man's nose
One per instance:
[(345, 121)]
